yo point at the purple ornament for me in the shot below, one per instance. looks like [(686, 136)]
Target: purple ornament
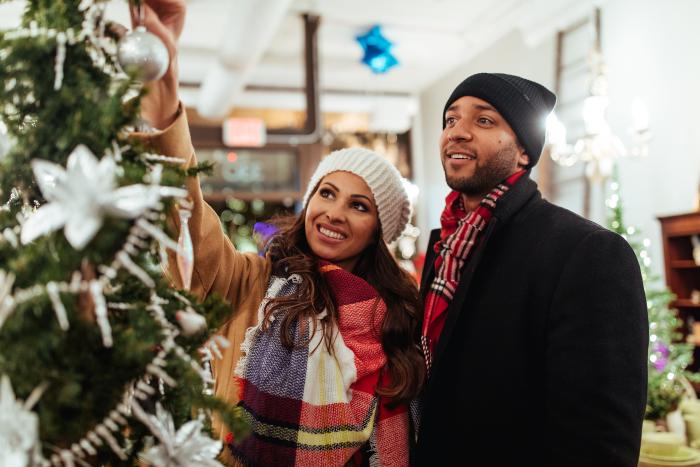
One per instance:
[(660, 364), (662, 352), (660, 348), (264, 232)]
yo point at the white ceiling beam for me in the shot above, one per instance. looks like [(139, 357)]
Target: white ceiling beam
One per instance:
[(251, 27)]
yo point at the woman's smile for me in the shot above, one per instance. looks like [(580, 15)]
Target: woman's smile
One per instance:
[(341, 219)]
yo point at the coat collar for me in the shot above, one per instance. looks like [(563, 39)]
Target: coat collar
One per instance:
[(508, 207), (523, 191), (511, 203)]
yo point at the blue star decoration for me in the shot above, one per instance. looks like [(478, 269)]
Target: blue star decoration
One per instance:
[(377, 49)]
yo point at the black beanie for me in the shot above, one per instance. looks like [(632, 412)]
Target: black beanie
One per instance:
[(523, 103)]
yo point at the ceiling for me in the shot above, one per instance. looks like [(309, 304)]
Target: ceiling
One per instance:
[(249, 53)]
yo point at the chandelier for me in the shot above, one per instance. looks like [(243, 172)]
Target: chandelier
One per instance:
[(599, 147)]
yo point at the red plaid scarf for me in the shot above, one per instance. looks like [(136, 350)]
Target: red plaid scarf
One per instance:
[(308, 406), (459, 234)]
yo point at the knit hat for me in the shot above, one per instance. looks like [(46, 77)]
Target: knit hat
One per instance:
[(523, 103), (383, 179)]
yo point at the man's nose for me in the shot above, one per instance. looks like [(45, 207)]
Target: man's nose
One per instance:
[(460, 132)]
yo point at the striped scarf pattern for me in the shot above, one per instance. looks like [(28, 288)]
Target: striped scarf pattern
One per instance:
[(309, 407), (458, 237)]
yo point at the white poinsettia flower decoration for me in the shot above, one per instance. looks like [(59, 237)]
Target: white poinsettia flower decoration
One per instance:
[(19, 429), (186, 447), (80, 196)]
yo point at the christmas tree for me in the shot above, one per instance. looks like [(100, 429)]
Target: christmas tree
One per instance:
[(102, 360), (669, 356)]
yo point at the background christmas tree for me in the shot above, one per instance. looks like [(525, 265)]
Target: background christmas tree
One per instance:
[(99, 354), (669, 356)]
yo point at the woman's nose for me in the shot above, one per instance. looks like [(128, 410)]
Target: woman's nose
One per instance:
[(335, 213)]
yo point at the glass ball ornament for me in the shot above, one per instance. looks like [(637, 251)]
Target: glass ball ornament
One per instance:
[(143, 54), (4, 140)]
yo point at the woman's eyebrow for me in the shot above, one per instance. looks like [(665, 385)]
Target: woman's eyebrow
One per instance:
[(352, 196)]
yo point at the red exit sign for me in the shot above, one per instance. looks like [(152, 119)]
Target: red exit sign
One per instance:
[(244, 132)]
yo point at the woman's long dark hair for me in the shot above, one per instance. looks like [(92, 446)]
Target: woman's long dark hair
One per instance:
[(290, 254)]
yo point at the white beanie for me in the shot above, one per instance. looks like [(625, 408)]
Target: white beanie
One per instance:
[(383, 179)]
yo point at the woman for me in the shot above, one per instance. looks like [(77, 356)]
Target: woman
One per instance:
[(323, 331)]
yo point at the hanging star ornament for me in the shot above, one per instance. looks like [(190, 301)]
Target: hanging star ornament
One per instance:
[(19, 429), (81, 195), (377, 50), (186, 447)]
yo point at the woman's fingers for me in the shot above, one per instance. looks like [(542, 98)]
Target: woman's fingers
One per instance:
[(117, 29), (171, 13), (164, 18)]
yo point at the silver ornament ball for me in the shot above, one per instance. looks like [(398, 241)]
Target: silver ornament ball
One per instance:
[(143, 54)]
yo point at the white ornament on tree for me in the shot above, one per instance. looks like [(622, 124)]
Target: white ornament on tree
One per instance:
[(143, 54), (81, 195), (7, 301), (19, 429), (185, 250), (61, 40), (5, 143), (191, 322), (187, 446)]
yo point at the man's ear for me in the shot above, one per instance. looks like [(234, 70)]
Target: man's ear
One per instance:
[(523, 158)]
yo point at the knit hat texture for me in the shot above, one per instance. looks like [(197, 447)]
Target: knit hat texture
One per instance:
[(382, 178), (523, 103)]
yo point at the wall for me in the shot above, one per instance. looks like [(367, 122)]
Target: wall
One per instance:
[(650, 50)]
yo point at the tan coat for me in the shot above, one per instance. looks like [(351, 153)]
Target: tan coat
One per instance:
[(238, 278)]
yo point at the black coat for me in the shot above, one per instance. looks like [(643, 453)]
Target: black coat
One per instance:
[(543, 358)]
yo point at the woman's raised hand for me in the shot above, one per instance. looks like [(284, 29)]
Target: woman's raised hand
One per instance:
[(165, 19)]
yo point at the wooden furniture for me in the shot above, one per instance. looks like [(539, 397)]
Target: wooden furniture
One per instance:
[(682, 271), (683, 275)]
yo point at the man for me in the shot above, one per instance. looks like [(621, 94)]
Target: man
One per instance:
[(535, 328)]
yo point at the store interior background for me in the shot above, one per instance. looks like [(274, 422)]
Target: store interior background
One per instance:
[(648, 47)]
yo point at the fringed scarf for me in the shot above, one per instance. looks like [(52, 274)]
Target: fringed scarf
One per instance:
[(309, 407), (458, 238)]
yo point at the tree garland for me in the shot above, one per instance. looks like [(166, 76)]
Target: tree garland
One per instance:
[(111, 361)]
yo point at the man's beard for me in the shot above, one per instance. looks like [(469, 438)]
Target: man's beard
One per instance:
[(486, 176)]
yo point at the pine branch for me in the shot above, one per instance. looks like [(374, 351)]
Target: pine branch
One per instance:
[(51, 107)]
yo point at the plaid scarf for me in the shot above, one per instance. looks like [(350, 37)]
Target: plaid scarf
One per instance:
[(309, 407), (458, 237)]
